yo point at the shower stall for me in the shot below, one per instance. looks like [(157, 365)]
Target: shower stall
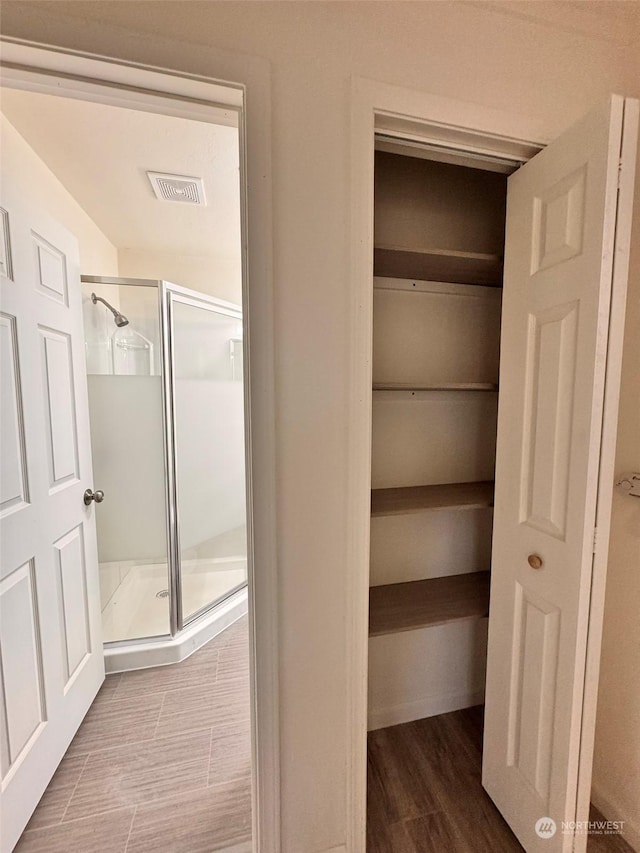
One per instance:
[(166, 403)]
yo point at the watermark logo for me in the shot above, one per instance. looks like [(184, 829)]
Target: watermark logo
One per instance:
[(593, 827), (546, 827)]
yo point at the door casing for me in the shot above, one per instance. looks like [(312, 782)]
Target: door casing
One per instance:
[(43, 68), (463, 127)]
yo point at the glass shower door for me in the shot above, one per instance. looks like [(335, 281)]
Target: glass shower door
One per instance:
[(125, 383), (205, 350)]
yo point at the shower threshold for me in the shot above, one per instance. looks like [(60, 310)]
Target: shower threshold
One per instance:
[(159, 651)]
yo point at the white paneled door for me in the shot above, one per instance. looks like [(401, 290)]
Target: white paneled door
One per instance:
[(51, 645), (566, 245)]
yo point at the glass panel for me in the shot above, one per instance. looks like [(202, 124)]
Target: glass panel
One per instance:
[(125, 406), (209, 422)]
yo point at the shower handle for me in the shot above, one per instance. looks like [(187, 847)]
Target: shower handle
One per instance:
[(97, 496)]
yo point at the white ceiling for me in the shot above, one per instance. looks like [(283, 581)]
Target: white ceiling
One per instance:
[(102, 153)]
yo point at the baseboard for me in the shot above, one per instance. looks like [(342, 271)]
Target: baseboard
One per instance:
[(341, 848), (611, 811), (429, 706)]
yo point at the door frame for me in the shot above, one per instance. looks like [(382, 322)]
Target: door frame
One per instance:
[(54, 70), (464, 126)]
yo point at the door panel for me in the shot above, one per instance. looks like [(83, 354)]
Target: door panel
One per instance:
[(549, 372), (536, 629), (13, 459), (59, 407), (74, 606), (51, 270), (560, 244), (23, 694), (51, 650)]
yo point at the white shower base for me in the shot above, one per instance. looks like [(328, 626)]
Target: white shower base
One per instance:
[(138, 611)]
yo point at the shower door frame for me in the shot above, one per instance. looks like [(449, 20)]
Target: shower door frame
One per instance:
[(169, 294)]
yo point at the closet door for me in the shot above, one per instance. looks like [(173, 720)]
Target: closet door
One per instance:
[(568, 225)]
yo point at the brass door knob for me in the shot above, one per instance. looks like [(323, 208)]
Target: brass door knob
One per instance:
[(534, 561)]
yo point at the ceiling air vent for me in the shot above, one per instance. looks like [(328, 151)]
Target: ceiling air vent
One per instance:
[(177, 188)]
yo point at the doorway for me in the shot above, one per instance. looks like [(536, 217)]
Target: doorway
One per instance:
[(31, 70), (437, 296), (378, 107)]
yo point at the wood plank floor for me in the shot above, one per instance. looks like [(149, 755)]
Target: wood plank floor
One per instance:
[(161, 763), (425, 793)]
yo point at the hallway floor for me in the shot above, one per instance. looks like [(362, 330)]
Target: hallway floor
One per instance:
[(424, 793), (161, 763)]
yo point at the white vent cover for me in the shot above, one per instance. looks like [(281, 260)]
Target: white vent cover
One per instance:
[(177, 188)]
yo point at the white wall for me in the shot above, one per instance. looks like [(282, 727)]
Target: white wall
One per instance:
[(435, 670), (97, 254), (466, 51)]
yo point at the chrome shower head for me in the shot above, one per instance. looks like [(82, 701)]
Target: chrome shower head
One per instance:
[(118, 318)]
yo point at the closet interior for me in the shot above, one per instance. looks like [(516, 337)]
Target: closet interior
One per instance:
[(439, 245)]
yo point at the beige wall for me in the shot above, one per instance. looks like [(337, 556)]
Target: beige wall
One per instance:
[(467, 51), (220, 277), (616, 776), (97, 255)]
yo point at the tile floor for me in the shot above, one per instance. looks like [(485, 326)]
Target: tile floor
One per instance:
[(161, 763)]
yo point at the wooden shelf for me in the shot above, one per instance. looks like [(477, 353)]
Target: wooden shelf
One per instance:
[(411, 499), (442, 386), (420, 604), (438, 265)]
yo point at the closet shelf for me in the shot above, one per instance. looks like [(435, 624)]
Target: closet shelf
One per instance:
[(419, 604), (440, 386), (438, 265), (411, 499)]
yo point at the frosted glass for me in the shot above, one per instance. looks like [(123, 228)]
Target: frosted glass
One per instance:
[(128, 464), (209, 412)]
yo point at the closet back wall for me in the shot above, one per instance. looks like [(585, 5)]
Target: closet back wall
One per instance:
[(489, 54), (437, 205)]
